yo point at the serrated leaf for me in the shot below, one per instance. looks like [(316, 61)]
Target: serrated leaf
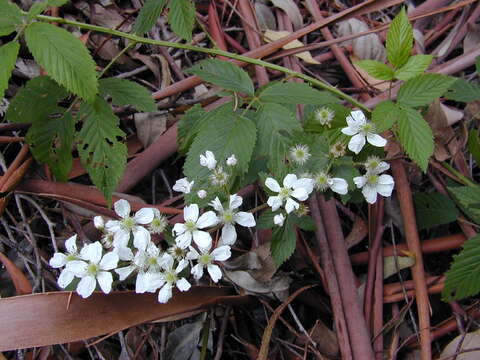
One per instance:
[(64, 57), (385, 115), (35, 101), (275, 124), (416, 136), (283, 242), (399, 40), (474, 144), (8, 57), (423, 89), (37, 8), (462, 277), (148, 16), (416, 65), (224, 74), (434, 209), (463, 91), (102, 154), (468, 198), (181, 17), (126, 92), (376, 69), (265, 220), (296, 93), (51, 142), (10, 17)]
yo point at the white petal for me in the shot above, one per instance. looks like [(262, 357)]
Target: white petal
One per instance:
[(122, 208), (235, 201), (272, 184), (197, 271), (190, 212), (98, 222), (113, 226), (229, 234), (207, 219), (58, 260), (152, 249), (167, 261), (214, 272), (385, 185), (165, 293), (124, 253), (279, 219), (300, 194), (141, 237), (86, 286), (370, 193), (244, 218), (109, 261), (124, 272), (144, 216), (350, 131), (78, 267), (360, 181), (183, 284), (221, 253), (65, 278), (274, 202), (92, 252), (376, 140), (216, 204), (358, 117), (182, 264), (192, 254), (202, 238), (153, 281), (305, 183), (141, 284), (105, 281), (356, 143), (121, 238), (183, 241), (289, 180), (71, 244), (183, 185), (291, 205), (338, 185), (179, 228), (382, 166)]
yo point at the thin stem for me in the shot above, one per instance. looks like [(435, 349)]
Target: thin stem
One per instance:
[(114, 60), (230, 55), (465, 180), (205, 335)]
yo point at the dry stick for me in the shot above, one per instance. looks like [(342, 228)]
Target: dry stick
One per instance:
[(14, 165), (418, 273), (221, 336), (333, 288), (357, 327)]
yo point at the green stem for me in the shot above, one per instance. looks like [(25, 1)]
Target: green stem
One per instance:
[(230, 55), (464, 179), (114, 60)]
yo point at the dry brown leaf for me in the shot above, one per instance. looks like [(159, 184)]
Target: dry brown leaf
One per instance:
[(391, 265), (20, 281), (270, 36), (150, 126), (292, 11), (325, 339), (470, 341), (472, 39), (358, 232), (266, 19)]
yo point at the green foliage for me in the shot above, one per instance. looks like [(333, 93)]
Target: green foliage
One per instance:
[(148, 16), (462, 277), (283, 241), (423, 89), (399, 40), (377, 69), (434, 209), (474, 144), (64, 57), (296, 93), (185, 134), (385, 115), (468, 199), (126, 92), (416, 65), (223, 74), (102, 153), (463, 91), (10, 17), (416, 136), (265, 220), (181, 17), (8, 57)]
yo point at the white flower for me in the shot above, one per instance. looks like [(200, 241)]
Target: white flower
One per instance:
[(299, 189), (183, 185), (324, 115), (359, 129), (205, 260), (232, 160), (324, 181), (300, 154), (371, 184), (202, 194), (60, 260), (93, 268), (99, 223), (190, 229), (218, 177), (337, 150), (229, 217), (122, 229), (168, 279), (279, 220), (159, 222), (177, 252), (208, 160), (374, 165)]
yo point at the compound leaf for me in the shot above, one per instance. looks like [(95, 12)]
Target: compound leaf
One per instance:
[(148, 16), (126, 92)]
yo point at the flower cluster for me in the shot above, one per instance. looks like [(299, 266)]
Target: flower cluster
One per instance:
[(372, 182)]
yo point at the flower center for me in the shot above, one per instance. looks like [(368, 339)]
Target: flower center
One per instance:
[(205, 259), (190, 225), (228, 216), (92, 269), (285, 192), (153, 261), (71, 257), (170, 277), (368, 128), (372, 179), (128, 223), (321, 181), (158, 225), (177, 252)]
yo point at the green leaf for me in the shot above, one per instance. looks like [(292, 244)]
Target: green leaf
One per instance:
[(296, 93), (102, 154), (8, 57), (474, 144), (275, 125), (181, 17), (463, 91), (185, 135), (399, 40), (150, 12), (35, 101), (36, 9), (64, 57), (468, 198), (283, 241), (126, 92), (416, 65), (10, 17), (376, 69), (462, 277), (434, 209), (51, 142), (223, 74), (265, 220), (423, 89), (415, 136), (57, 2), (385, 115)]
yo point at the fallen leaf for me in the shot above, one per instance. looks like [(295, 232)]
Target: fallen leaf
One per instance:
[(391, 265), (183, 341), (470, 341), (292, 11), (271, 36), (150, 126), (325, 339), (20, 281), (278, 286), (265, 16)]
